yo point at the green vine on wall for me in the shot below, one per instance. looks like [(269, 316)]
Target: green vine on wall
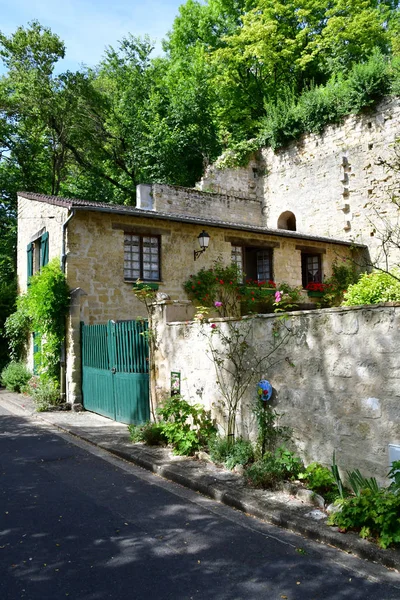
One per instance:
[(41, 310)]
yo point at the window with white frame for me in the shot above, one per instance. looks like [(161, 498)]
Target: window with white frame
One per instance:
[(253, 263), (311, 268), (141, 257)]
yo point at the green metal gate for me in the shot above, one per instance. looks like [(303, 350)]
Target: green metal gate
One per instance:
[(115, 370)]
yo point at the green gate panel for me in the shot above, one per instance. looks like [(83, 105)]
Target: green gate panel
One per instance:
[(131, 393), (98, 391), (115, 370)]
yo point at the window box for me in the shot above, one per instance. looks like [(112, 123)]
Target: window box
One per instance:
[(315, 294), (144, 284)]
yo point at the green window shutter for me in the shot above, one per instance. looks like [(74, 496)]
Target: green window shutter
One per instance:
[(37, 346), (44, 249), (29, 255)]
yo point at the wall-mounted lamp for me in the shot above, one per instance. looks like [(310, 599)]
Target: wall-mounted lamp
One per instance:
[(204, 240)]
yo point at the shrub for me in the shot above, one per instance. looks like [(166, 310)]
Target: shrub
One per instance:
[(373, 288), (292, 465), (220, 283), (368, 82), (320, 480), (150, 433), (342, 95), (44, 391), (267, 472), (15, 376), (343, 276), (230, 454), (372, 514), (187, 427), (273, 468), (42, 310), (17, 327)]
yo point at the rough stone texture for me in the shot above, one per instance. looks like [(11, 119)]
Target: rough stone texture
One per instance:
[(337, 385), (232, 207), (334, 183), (243, 182), (32, 218)]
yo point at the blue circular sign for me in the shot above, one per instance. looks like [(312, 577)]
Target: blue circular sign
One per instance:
[(264, 390)]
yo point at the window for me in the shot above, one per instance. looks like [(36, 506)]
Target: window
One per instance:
[(254, 263), (311, 269), (141, 257), (37, 254)]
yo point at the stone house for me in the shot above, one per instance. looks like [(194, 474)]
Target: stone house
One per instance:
[(105, 248)]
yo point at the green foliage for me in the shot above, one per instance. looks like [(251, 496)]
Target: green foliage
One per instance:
[(289, 297), (42, 310), (336, 476), (344, 274), (270, 433), (17, 327), (218, 284), (230, 453), (292, 465), (394, 474), (345, 93), (45, 392), (372, 513), (273, 468), (359, 483), (15, 376), (373, 288), (150, 433), (187, 427), (8, 296), (319, 479)]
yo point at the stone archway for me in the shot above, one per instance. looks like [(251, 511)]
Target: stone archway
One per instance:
[(287, 220)]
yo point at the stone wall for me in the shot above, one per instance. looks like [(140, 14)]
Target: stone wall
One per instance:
[(336, 379), (34, 217), (230, 207), (244, 182), (334, 183)]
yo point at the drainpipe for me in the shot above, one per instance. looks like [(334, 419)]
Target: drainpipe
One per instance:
[(63, 349)]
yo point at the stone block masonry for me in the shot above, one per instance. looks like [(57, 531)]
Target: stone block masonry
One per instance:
[(335, 183), (336, 380), (195, 203)]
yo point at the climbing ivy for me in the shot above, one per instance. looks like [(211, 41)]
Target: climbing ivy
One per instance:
[(42, 310)]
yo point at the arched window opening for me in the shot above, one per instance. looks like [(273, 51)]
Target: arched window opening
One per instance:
[(287, 220)]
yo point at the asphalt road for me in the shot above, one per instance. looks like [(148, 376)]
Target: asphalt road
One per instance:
[(77, 523)]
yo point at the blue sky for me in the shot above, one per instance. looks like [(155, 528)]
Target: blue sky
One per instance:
[(88, 26)]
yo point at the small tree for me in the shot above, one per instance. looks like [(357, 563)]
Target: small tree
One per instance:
[(237, 365), (147, 295)]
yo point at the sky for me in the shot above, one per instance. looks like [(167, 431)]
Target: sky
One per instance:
[(88, 26)]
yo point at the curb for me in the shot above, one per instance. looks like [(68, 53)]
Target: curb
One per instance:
[(220, 491)]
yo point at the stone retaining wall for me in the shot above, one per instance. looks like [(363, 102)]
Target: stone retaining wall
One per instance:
[(336, 379)]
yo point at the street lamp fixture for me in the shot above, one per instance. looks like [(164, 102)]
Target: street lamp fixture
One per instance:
[(204, 240)]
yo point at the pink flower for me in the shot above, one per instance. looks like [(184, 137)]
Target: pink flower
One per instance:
[(213, 326), (278, 296), (217, 304)]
